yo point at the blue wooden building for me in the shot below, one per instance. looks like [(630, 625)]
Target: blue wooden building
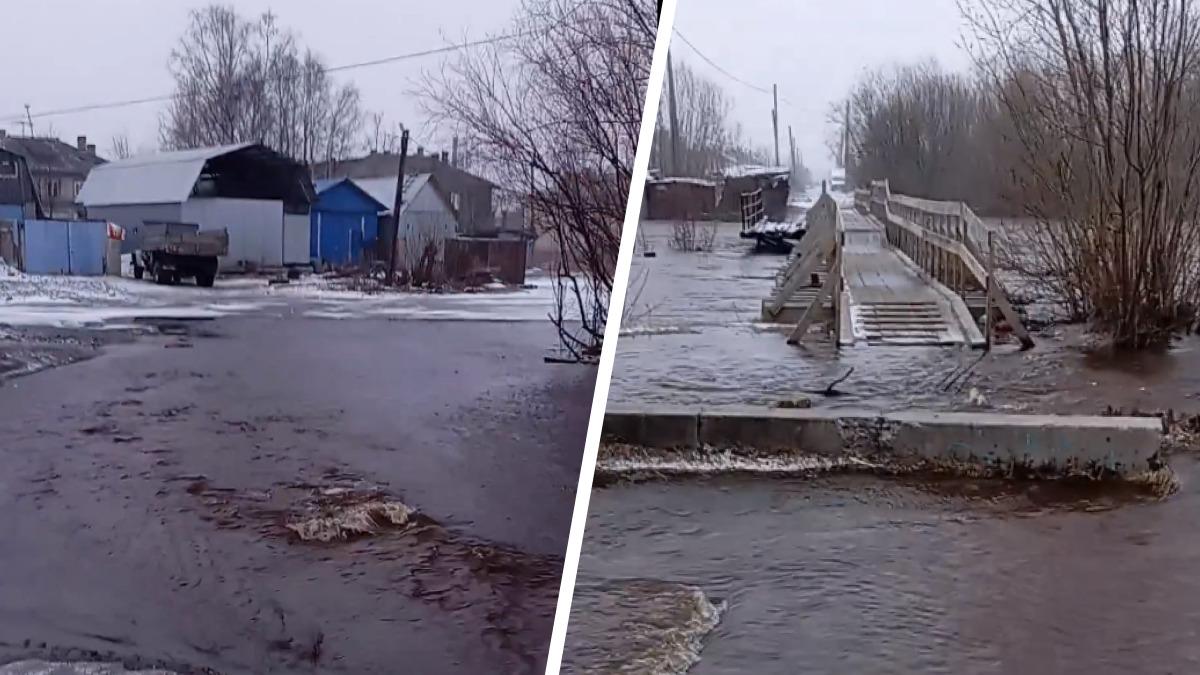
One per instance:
[(345, 223)]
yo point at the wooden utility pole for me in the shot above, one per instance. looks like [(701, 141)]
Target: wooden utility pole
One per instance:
[(396, 204), (674, 117), (845, 136), (775, 118), (792, 153)]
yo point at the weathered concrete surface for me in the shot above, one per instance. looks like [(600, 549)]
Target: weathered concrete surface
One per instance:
[(1126, 446)]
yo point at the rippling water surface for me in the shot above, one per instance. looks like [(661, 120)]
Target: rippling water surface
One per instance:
[(857, 574)]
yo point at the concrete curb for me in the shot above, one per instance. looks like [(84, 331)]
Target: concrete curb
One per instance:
[(1126, 446)]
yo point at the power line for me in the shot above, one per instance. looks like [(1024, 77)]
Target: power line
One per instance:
[(735, 78), (712, 63), (349, 66)]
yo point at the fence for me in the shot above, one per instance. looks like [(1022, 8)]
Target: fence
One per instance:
[(505, 259), (78, 247)]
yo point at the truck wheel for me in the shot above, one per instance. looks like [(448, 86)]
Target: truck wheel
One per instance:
[(205, 279), (163, 277), (138, 272)]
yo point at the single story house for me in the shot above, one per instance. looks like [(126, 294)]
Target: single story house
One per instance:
[(262, 197), (345, 223), (471, 197), (426, 216)]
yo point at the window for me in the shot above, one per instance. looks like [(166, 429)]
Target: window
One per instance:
[(78, 187), (456, 201), (8, 168)]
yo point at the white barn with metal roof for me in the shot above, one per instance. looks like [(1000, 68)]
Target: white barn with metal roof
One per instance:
[(260, 196)]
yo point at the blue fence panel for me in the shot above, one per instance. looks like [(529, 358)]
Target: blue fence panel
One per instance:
[(88, 243), (13, 212), (65, 247), (47, 247)]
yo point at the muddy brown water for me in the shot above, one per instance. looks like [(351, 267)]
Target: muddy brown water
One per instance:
[(694, 336), (861, 574), (147, 492)]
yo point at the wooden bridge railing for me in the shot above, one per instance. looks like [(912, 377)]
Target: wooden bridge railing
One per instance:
[(821, 246), (949, 243)]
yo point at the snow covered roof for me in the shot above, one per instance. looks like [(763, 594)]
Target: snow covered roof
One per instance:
[(161, 178), (327, 183), (383, 190), (680, 179), (743, 170)]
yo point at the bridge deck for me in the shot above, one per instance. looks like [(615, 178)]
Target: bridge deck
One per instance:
[(890, 303)]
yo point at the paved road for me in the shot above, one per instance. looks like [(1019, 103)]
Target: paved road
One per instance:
[(145, 494)]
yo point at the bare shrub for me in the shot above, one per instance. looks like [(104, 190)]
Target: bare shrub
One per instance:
[(557, 114), (1103, 99), (691, 237)]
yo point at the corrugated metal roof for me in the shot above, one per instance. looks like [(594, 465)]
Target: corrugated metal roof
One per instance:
[(160, 178), (383, 190)]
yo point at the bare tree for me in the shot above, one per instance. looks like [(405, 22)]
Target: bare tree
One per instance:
[(119, 147), (237, 80), (381, 136), (557, 114), (1103, 98)]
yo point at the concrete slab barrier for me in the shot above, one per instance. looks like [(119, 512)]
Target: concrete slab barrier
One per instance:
[(1126, 446)]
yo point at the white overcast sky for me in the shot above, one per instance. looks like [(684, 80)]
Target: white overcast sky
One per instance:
[(814, 50), (79, 52), (68, 53)]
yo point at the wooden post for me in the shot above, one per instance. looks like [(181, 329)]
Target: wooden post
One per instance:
[(399, 201), (987, 307), (674, 117)]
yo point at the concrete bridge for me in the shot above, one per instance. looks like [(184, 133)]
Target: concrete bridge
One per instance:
[(894, 270)]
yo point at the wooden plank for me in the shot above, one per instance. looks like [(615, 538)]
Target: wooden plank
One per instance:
[(810, 315)]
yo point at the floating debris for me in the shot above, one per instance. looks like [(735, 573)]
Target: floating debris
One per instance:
[(356, 520)]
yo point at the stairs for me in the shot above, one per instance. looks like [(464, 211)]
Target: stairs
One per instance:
[(916, 323)]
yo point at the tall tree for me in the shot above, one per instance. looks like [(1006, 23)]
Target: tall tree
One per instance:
[(238, 80)]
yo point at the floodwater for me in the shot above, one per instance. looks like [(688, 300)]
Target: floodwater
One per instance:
[(692, 335), (153, 496), (860, 574), (852, 574)]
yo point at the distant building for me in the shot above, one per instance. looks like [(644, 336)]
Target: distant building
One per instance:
[(680, 199), (837, 180), (260, 196), (426, 214), (18, 195), (58, 169), (774, 181), (345, 223), (469, 195)]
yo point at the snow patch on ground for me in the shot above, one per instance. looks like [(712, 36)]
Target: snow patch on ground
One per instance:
[(66, 301)]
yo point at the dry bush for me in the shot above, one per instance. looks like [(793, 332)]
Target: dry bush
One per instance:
[(1104, 105), (556, 114), (691, 237)]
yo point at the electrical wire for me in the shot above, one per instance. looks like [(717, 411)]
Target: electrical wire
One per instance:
[(349, 66)]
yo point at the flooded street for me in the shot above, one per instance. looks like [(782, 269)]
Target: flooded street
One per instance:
[(694, 337), (860, 575), (863, 574), (280, 493)]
